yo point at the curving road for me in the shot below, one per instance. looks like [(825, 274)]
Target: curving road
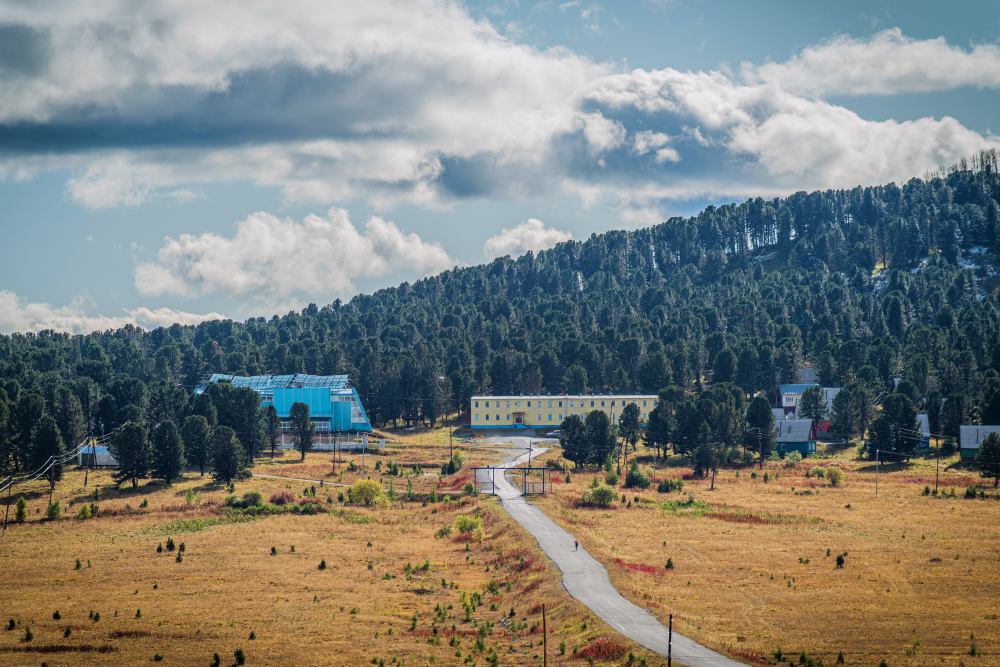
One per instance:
[(587, 580)]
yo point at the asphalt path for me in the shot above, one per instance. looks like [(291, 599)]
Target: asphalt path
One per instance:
[(586, 579)]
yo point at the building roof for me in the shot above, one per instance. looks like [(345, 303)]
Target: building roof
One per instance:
[(271, 382), (970, 437), (794, 430), (779, 413), (925, 425), (793, 388)]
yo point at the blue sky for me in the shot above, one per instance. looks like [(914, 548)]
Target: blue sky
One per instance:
[(180, 162)]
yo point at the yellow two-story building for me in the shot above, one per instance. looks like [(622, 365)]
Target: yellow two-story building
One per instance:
[(549, 411)]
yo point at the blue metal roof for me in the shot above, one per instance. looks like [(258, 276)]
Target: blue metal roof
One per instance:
[(794, 388), (266, 382)]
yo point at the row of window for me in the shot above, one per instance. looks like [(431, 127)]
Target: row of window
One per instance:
[(320, 426), (582, 416), (517, 404)]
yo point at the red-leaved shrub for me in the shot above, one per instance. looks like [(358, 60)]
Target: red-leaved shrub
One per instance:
[(604, 648), (283, 498)]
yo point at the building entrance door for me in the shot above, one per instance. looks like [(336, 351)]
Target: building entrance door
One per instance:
[(519, 418)]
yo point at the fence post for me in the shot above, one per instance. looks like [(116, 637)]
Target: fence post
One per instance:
[(670, 640)]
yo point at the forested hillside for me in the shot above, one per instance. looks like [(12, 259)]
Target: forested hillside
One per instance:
[(865, 284)]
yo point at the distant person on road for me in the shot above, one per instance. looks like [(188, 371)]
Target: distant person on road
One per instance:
[(576, 545)]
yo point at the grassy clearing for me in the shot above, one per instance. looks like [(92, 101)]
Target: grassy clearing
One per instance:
[(755, 563), (383, 568)]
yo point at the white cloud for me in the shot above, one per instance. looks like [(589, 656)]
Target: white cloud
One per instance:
[(272, 257), (417, 102), (887, 63), (20, 315), (532, 234)]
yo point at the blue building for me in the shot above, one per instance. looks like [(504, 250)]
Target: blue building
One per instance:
[(334, 406)]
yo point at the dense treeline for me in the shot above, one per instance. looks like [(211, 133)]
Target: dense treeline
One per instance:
[(866, 284)]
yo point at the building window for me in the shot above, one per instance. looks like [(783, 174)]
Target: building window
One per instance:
[(550, 416), (529, 404), (612, 404), (487, 404), (560, 416), (591, 404), (654, 402), (508, 404), (571, 404), (560, 404), (508, 417), (475, 418), (550, 404), (644, 404), (487, 417), (517, 404), (498, 417), (644, 416), (477, 404), (539, 418), (602, 404)]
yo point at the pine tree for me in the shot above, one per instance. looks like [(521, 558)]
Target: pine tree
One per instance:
[(21, 513), (46, 444), (131, 449), (812, 405), (168, 452), (303, 429), (227, 455), (195, 434)]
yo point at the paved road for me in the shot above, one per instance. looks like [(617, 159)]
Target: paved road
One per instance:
[(587, 580)]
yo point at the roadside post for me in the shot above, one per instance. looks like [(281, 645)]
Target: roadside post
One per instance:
[(545, 640), (670, 639)]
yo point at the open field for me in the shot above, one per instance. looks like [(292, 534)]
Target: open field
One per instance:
[(755, 563), (228, 584)]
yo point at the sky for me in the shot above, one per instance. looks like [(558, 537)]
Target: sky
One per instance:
[(179, 161)]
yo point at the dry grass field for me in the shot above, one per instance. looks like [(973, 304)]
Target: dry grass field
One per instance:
[(755, 563), (229, 585)]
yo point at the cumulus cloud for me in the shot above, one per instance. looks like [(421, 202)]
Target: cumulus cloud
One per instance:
[(394, 101), (272, 257), (532, 234), (20, 315), (887, 63)]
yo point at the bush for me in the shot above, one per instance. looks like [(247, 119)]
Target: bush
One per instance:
[(189, 496), (793, 459), (635, 478), (283, 498), (670, 564), (170, 544), (322, 565), (611, 478), (971, 492), (28, 634), (602, 495), (21, 514), (466, 524), (834, 475), (443, 531), (241, 658), (840, 560), (468, 489), (818, 472), (369, 492), (85, 512), (56, 615), (54, 511), (252, 499)]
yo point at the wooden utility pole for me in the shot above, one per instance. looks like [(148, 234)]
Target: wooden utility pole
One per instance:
[(545, 640)]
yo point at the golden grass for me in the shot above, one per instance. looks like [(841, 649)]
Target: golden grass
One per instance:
[(918, 568), (228, 585)]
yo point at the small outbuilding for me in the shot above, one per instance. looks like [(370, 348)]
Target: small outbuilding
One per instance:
[(795, 435), (970, 437)]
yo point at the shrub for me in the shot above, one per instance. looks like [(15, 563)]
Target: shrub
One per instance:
[(927, 491), (180, 558), (840, 560), (793, 459), (468, 489), (602, 495), (78, 564), (56, 615), (252, 499), (611, 478), (241, 658), (138, 613), (189, 496), (466, 524), (159, 548), (818, 472), (28, 634), (85, 512), (144, 504), (670, 564), (253, 635), (21, 514), (54, 511), (170, 544), (274, 551), (971, 492), (834, 475), (443, 531), (157, 657), (283, 498), (67, 632), (635, 478), (322, 565), (369, 492)]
